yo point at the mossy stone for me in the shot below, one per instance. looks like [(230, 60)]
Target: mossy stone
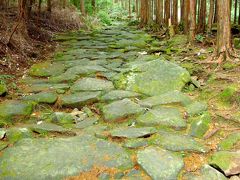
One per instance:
[(159, 163), (227, 161), (120, 110), (196, 108), (12, 109), (200, 125), (42, 97), (46, 69), (229, 142), (3, 89)]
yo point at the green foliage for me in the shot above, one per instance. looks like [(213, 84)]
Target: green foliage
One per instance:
[(227, 95), (104, 18), (200, 38)]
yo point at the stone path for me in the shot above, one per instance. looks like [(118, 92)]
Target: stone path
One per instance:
[(102, 101)]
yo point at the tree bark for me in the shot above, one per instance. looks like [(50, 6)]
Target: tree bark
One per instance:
[(167, 12), (224, 45), (159, 12), (210, 17), (235, 12), (192, 20), (144, 13), (186, 14), (202, 17), (175, 14), (82, 7)]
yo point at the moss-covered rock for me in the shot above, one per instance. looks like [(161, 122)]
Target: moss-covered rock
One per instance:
[(42, 97), (10, 110), (80, 99), (159, 163), (196, 108), (3, 89), (227, 161), (120, 110), (178, 142), (118, 95), (229, 142), (154, 78), (59, 158), (15, 134), (162, 116), (132, 132), (46, 69), (92, 84), (200, 125), (172, 97)]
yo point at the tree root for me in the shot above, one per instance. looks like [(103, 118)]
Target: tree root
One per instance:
[(227, 56)]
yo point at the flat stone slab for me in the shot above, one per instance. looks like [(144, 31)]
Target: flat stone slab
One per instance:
[(135, 143), (120, 110), (132, 132), (171, 97), (87, 122), (200, 125), (46, 69), (159, 163), (62, 118), (92, 84), (155, 78), (79, 99), (162, 116), (206, 173), (85, 70), (118, 95), (177, 142), (46, 87), (46, 127), (59, 158), (196, 108), (42, 97), (13, 108), (15, 134), (3, 89), (228, 162), (229, 142)]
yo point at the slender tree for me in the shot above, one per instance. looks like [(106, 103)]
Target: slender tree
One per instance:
[(144, 12), (210, 17), (82, 7), (192, 20), (224, 46)]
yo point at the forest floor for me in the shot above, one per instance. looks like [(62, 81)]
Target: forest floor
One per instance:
[(119, 104)]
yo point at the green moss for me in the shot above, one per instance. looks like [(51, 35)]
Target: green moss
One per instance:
[(227, 95), (229, 66), (3, 89), (229, 142)]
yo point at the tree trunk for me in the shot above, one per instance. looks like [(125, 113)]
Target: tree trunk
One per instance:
[(202, 17), (224, 45), (210, 17), (215, 14), (129, 9), (186, 14), (235, 12), (239, 14), (82, 7), (144, 12), (167, 12), (49, 5), (159, 12), (94, 5), (175, 14), (192, 20), (137, 8)]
